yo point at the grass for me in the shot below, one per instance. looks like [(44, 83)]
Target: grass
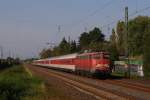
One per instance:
[(18, 84), (119, 74), (124, 75)]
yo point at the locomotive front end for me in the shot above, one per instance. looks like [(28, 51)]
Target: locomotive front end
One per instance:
[(102, 63)]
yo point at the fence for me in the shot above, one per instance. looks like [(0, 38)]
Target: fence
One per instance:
[(135, 67)]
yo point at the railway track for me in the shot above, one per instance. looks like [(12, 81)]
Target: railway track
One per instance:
[(78, 78), (100, 88), (97, 92), (134, 86), (130, 85)]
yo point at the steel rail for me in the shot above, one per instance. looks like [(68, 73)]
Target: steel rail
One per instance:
[(88, 89)]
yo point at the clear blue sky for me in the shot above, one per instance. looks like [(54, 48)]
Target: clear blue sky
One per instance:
[(26, 25)]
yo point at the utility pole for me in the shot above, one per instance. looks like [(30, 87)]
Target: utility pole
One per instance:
[(9, 54), (108, 29), (1, 49), (127, 40), (59, 28)]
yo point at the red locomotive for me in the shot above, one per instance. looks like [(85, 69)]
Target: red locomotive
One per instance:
[(85, 63)]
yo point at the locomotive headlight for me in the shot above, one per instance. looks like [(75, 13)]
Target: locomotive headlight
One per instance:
[(99, 65), (102, 65), (106, 65)]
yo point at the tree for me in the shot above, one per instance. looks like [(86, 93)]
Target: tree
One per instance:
[(73, 47), (113, 38), (146, 50), (45, 53), (96, 35), (92, 41), (137, 30), (120, 30), (64, 47), (56, 51), (84, 41), (147, 55), (114, 55)]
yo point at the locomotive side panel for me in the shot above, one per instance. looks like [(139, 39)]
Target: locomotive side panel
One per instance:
[(83, 64)]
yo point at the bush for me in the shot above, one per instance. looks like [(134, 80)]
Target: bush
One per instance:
[(147, 55), (16, 83)]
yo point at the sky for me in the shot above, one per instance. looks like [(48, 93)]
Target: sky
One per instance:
[(27, 25)]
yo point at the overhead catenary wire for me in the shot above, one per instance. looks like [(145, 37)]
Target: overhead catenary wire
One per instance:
[(114, 21), (92, 14), (130, 15)]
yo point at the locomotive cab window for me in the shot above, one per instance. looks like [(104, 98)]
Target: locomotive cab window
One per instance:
[(100, 56), (97, 56)]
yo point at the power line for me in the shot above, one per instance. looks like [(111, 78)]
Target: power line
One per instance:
[(93, 13), (132, 14), (141, 10), (113, 22), (136, 5)]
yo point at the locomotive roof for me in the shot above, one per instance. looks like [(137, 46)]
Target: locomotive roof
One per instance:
[(92, 53)]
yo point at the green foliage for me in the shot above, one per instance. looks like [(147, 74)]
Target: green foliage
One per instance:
[(146, 51), (84, 40), (137, 29), (4, 63), (16, 83), (45, 53), (120, 30), (114, 55), (64, 47), (92, 41), (96, 35), (73, 47), (114, 52), (113, 38)]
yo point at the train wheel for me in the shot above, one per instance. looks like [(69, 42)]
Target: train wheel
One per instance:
[(77, 72), (89, 75)]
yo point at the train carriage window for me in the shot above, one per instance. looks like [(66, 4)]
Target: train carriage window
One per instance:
[(84, 57)]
